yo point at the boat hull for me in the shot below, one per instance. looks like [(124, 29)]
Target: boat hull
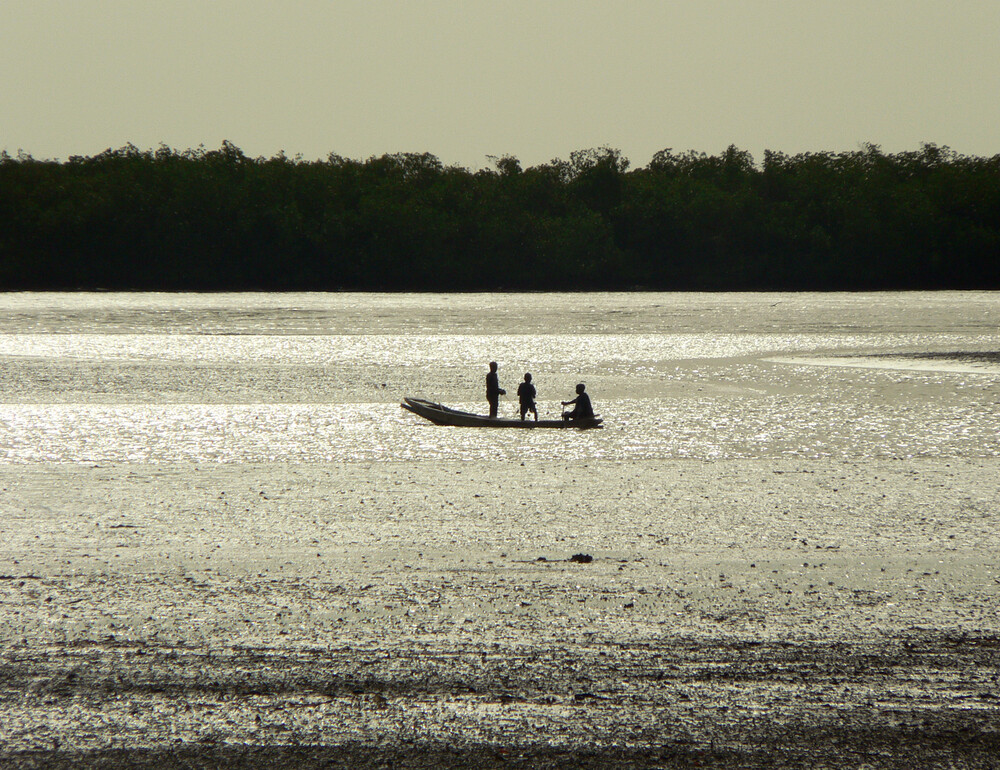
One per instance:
[(443, 415)]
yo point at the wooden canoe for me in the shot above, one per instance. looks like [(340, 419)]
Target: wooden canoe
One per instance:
[(443, 415)]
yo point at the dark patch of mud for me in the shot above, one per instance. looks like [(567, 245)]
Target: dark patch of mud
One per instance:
[(832, 746), (364, 756), (961, 356), (923, 699)]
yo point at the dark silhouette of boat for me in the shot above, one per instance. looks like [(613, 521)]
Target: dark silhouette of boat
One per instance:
[(443, 415)]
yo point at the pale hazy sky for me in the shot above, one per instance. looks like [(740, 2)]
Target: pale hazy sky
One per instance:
[(466, 79)]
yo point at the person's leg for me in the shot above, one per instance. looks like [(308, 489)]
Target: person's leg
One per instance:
[(494, 403)]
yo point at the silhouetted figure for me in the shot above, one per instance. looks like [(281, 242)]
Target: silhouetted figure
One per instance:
[(526, 395), (493, 389), (582, 408)]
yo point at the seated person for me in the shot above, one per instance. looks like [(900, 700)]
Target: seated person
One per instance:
[(582, 408)]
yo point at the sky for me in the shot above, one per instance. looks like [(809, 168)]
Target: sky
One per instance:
[(469, 79)]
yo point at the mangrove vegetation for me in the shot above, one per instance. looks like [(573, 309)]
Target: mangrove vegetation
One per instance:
[(201, 219)]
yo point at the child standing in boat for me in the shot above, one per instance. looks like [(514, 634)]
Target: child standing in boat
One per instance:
[(526, 395)]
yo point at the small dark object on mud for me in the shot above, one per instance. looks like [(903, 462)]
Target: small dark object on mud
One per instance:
[(581, 558)]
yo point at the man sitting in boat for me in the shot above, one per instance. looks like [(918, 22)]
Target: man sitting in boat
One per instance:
[(582, 409), (526, 395)]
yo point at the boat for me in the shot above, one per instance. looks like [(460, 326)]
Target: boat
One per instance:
[(443, 415)]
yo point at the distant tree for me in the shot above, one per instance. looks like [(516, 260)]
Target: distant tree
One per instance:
[(218, 219)]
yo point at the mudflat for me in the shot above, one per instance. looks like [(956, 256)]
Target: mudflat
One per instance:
[(725, 613)]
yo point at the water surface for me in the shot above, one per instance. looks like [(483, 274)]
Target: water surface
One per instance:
[(254, 378)]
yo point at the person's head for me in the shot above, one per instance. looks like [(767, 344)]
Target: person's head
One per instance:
[(493, 366), (527, 376), (580, 388)]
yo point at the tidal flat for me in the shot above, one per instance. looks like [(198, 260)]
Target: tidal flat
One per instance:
[(788, 614), (226, 547)]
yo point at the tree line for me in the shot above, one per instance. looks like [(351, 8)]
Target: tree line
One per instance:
[(218, 220)]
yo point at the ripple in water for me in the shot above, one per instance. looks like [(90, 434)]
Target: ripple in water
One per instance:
[(195, 384)]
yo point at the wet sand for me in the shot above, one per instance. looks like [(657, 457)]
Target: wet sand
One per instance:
[(735, 613)]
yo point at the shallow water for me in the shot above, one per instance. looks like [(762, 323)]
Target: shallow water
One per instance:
[(90, 378)]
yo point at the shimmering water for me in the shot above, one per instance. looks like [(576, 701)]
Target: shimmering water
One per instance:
[(91, 378)]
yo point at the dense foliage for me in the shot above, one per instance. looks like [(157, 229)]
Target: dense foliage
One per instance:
[(197, 219)]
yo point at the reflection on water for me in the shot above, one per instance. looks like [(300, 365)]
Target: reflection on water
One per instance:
[(700, 428), (446, 350), (265, 378), (501, 314)]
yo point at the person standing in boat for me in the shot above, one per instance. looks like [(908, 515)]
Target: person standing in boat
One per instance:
[(526, 395), (493, 389), (582, 408)]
